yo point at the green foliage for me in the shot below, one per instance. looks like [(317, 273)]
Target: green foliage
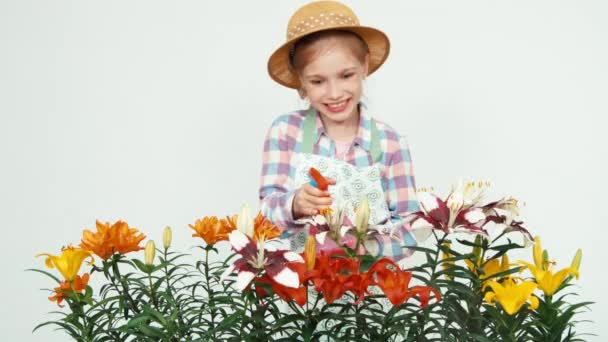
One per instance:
[(176, 300)]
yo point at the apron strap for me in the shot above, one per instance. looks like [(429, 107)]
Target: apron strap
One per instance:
[(309, 136), (309, 132), (374, 147)]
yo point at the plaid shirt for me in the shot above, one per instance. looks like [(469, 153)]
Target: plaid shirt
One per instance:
[(277, 189)]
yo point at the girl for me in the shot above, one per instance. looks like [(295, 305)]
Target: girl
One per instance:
[(326, 59)]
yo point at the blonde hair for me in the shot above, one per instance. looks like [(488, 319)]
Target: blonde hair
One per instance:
[(307, 49)]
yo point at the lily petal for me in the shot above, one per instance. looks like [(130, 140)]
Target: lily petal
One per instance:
[(293, 257), (287, 277), (243, 279)]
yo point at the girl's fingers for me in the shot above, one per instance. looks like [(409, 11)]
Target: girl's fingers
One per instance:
[(312, 191), (315, 201)]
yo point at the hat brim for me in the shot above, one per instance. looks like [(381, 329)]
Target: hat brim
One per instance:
[(377, 41)]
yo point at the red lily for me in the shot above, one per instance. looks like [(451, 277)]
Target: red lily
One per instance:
[(333, 276)]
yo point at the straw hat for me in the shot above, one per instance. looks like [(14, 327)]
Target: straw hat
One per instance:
[(320, 16)]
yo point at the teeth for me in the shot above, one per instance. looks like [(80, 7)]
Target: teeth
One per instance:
[(336, 105)]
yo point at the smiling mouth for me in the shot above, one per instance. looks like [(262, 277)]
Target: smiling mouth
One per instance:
[(337, 107)]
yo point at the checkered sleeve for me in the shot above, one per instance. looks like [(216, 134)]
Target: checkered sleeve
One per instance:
[(400, 191), (276, 193)]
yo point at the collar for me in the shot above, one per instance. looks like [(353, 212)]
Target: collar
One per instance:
[(364, 135)]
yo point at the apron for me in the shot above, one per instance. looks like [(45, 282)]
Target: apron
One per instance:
[(352, 183)]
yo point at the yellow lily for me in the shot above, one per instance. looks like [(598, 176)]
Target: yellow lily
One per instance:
[(547, 281), (542, 271), (69, 262), (490, 268), (512, 296), (495, 266)]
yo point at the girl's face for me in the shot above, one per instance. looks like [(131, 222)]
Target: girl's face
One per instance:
[(333, 82)]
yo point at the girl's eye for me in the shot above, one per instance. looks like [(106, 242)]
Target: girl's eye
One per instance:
[(316, 82), (349, 75)]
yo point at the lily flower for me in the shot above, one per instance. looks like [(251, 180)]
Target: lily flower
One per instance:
[(490, 269), (548, 281), (331, 276), (258, 257), (69, 262), (299, 294), (77, 285), (466, 194), (264, 230), (211, 229), (395, 284), (504, 212), (436, 214), (110, 239), (512, 296)]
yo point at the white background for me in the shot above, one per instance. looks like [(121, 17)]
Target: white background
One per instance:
[(155, 113)]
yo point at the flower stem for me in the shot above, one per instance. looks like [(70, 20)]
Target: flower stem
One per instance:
[(209, 293), (125, 291)]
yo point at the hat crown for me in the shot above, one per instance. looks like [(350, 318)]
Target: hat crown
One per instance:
[(320, 14)]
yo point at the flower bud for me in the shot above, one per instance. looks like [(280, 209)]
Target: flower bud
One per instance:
[(244, 221), (477, 250), (149, 252), (537, 253), (167, 236), (576, 262), (310, 252), (362, 216)]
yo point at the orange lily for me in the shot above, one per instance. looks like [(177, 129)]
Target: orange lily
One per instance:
[(395, 284), (69, 262), (117, 238), (211, 229), (264, 230), (77, 285)]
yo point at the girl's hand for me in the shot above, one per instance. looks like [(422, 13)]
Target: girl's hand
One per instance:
[(309, 200)]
